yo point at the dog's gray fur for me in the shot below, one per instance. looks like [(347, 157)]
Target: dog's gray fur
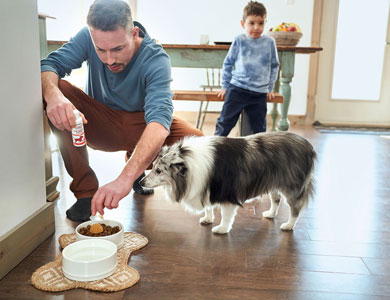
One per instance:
[(201, 172)]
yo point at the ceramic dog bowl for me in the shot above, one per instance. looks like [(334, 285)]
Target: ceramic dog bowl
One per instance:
[(116, 238), (89, 260)]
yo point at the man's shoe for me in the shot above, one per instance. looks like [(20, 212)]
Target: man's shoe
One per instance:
[(139, 189), (80, 211)]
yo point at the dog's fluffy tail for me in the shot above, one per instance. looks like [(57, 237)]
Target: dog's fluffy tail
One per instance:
[(308, 189)]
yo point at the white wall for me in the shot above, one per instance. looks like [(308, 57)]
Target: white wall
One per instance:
[(182, 22), (22, 172)]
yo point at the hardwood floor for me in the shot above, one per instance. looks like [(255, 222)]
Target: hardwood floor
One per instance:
[(339, 249)]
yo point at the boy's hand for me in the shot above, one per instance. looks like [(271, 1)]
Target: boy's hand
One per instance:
[(221, 94), (270, 96)]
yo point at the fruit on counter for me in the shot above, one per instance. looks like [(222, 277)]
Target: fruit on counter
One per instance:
[(276, 28), (286, 27), (292, 28), (298, 29)]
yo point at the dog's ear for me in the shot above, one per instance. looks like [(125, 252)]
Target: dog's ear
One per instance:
[(176, 159), (163, 150), (179, 168)]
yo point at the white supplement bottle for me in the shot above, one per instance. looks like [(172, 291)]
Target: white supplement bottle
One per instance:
[(78, 134)]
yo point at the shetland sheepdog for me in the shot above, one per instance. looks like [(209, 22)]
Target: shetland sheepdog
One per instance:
[(203, 172)]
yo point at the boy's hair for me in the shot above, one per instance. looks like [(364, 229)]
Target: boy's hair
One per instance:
[(254, 8), (107, 15)]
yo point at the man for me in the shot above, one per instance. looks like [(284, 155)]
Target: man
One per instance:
[(127, 104)]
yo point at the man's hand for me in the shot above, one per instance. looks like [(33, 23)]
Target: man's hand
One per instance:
[(60, 113), (59, 109), (221, 94), (146, 150), (109, 195)]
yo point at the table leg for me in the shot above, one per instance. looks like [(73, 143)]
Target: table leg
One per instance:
[(287, 60), (274, 111)]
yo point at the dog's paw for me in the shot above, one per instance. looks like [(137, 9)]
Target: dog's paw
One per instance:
[(286, 226), (220, 229), (206, 220), (269, 214)]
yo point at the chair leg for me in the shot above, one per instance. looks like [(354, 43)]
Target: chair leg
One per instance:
[(239, 123), (204, 115), (199, 115)]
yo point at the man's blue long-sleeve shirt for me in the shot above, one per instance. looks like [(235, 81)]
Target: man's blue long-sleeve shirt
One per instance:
[(144, 84)]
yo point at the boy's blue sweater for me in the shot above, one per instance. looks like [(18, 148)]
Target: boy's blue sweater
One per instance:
[(144, 85), (255, 63)]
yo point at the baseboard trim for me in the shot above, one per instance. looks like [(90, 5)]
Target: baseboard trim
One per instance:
[(24, 238), (51, 188)]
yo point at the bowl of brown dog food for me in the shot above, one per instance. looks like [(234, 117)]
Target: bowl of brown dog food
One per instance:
[(101, 230)]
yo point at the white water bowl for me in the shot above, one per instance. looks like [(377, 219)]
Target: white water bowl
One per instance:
[(116, 238), (89, 260)]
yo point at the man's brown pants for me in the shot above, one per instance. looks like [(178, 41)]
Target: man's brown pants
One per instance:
[(107, 130)]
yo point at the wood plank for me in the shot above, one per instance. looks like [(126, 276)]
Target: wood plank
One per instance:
[(317, 263), (301, 50), (378, 266), (193, 95), (264, 279)]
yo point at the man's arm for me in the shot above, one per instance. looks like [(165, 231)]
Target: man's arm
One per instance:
[(59, 109), (146, 150)]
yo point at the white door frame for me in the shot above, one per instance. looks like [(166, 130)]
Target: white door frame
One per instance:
[(346, 112)]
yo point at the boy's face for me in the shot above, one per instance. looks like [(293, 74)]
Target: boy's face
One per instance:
[(254, 26), (115, 48)]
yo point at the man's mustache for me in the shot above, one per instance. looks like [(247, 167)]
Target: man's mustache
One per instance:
[(113, 65)]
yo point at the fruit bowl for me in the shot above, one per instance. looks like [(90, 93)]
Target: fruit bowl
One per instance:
[(286, 38)]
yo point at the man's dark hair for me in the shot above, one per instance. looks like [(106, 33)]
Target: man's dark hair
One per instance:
[(254, 8), (107, 15)]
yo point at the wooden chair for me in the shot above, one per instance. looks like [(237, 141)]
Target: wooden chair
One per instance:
[(213, 83), (211, 96)]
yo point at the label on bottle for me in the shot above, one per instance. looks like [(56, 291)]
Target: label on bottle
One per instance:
[(78, 136)]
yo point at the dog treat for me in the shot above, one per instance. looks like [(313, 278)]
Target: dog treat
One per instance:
[(94, 230)]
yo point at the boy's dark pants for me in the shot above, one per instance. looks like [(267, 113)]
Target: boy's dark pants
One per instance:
[(237, 100), (107, 130)]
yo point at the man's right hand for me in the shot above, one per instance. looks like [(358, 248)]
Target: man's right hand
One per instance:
[(59, 109), (60, 113)]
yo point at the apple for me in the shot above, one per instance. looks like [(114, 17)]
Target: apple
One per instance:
[(292, 28), (270, 29), (298, 29), (277, 28)]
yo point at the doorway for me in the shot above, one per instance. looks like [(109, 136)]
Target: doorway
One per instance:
[(354, 68)]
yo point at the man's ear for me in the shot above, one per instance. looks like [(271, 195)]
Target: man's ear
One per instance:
[(242, 23), (135, 32)]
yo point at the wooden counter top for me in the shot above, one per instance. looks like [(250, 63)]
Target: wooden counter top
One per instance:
[(301, 50), (226, 47)]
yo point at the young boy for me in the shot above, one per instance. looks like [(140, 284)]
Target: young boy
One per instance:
[(247, 87)]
